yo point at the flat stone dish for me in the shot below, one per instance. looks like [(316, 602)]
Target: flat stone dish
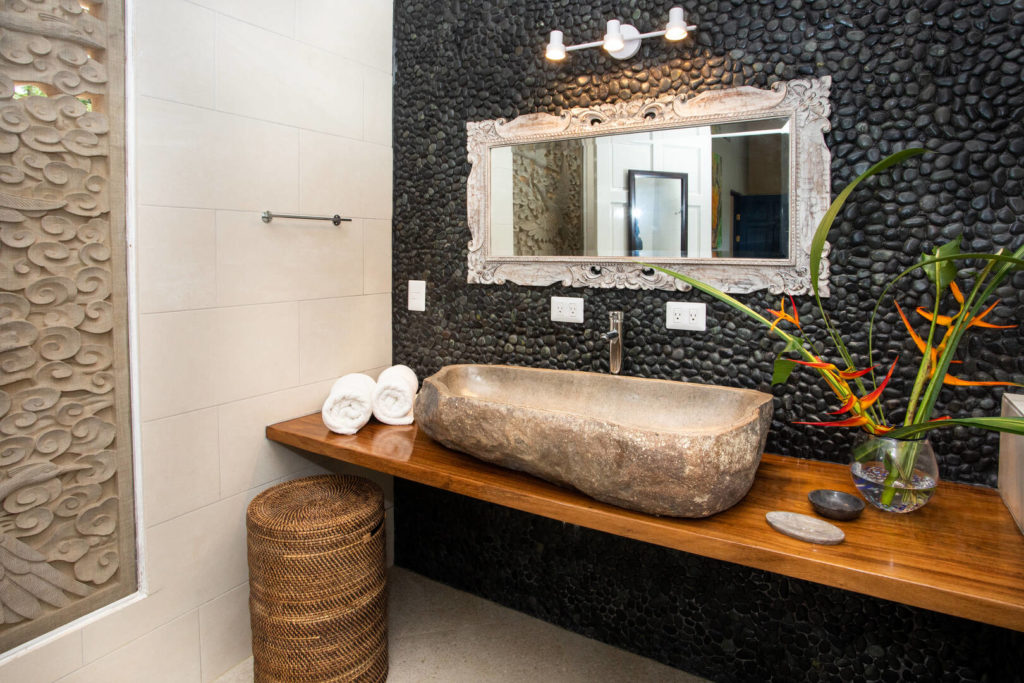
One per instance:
[(836, 504), (805, 528), (666, 448)]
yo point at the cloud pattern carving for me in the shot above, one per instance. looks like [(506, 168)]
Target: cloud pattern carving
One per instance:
[(59, 490)]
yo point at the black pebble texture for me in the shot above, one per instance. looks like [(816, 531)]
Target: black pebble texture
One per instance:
[(714, 619), (944, 74)]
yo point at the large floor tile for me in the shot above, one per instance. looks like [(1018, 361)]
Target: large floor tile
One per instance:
[(437, 633)]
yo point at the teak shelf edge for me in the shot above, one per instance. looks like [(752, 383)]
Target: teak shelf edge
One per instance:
[(961, 555)]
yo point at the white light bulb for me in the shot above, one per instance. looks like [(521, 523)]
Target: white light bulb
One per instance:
[(613, 36), (556, 50), (676, 29)]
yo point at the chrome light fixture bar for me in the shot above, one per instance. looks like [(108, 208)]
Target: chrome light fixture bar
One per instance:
[(622, 41)]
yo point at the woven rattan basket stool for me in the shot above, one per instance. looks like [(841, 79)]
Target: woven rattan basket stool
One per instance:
[(317, 592)]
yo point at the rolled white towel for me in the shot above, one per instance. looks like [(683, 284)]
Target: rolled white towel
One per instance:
[(349, 405), (394, 395)]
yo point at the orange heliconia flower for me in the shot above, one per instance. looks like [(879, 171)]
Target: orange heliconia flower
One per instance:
[(949, 322), (781, 314)]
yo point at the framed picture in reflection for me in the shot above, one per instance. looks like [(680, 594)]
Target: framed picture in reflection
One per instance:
[(657, 213)]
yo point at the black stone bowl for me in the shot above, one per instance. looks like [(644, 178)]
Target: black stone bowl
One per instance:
[(836, 504)]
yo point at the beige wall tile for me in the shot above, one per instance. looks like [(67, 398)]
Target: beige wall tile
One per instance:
[(169, 654), (225, 637), (376, 256), (198, 158), (377, 88), (340, 172), (343, 335), (176, 150), (191, 559), (197, 359), (275, 15), (181, 467), (357, 29), (286, 260), (46, 663), (267, 76), (176, 251), (128, 623), (174, 46), (256, 164), (247, 458)]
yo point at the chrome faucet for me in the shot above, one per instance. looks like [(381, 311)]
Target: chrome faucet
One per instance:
[(614, 338)]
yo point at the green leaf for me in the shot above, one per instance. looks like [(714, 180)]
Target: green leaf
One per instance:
[(1010, 425), (942, 272), (783, 367), (781, 371), (821, 234)]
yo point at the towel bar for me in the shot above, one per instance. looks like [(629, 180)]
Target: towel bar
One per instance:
[(336, 219)]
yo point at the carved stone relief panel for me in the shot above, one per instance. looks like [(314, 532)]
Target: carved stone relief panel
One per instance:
[(546, 199), (66, 506)]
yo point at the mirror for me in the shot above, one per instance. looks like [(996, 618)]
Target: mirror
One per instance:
[(635, 194), (727, 187), (657, 213)]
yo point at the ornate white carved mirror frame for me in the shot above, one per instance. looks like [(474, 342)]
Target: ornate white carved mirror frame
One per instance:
[(804, 102)]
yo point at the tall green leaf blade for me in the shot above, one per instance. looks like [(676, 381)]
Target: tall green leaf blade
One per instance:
[(1010, 425), (821, 234)]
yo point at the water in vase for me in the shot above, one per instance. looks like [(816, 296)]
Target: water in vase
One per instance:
[(909, 496)]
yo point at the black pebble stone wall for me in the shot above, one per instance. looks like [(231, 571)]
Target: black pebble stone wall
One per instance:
[(714, 619), (944, 74)]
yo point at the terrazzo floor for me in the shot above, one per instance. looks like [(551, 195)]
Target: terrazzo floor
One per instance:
[(437, 633)]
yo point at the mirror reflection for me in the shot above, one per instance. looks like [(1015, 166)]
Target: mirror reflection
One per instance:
[(718, 191)]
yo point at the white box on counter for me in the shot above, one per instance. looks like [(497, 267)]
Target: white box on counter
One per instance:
[(1011, 461)]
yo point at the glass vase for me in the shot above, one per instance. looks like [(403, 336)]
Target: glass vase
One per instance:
[(895, 475)]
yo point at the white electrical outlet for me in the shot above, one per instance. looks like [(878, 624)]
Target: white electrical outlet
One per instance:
[(417, 295), (681, 315), (566, 309)]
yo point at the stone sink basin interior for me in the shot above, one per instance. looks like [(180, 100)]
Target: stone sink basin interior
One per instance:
[(658, 446)]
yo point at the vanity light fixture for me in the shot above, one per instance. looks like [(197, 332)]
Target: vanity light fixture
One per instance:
[(622, 41)]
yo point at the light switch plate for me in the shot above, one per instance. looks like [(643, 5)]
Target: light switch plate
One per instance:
[(417, 295), (685, 315), (566, 309)]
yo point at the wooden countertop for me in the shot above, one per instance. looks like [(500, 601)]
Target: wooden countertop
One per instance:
[(961, 554)]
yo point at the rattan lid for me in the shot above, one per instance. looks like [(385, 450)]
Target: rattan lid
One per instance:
[(315, 505)]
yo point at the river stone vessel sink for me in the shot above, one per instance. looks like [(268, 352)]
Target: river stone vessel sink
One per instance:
[(662, 447)]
